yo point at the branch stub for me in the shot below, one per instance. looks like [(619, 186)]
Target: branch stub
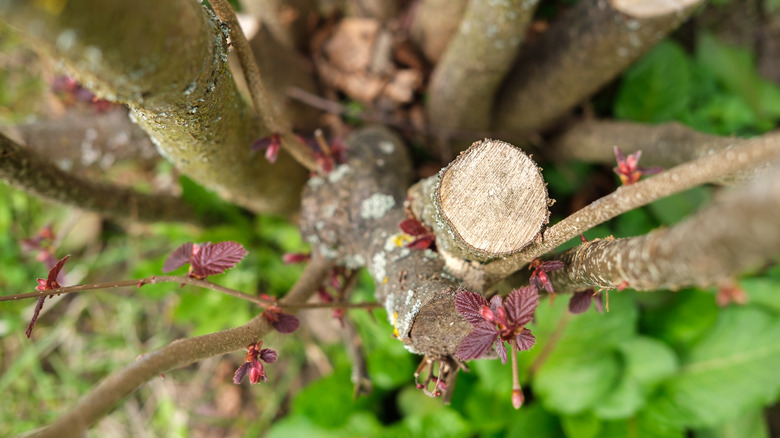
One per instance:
[(491, 201)]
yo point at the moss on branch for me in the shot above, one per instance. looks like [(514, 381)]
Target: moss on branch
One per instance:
[(168, 62)]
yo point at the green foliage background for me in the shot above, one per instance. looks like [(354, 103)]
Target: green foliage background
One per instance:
[(663, 364)]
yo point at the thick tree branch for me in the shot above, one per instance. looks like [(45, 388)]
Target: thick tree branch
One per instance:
[(434, 23), (353, 215), (25, 170), (102, 398), (168, 62), (86, 139), (585, 48), (737, 232), (664, 145), (289, 21), (477, 58)]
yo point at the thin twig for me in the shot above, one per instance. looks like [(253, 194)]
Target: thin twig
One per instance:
[(103, 397), (191, 281), (257, 89)]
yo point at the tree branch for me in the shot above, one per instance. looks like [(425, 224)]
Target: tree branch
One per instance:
[(25, 170), (465, 80), (168, 62), (102, 398), (434, 24), (665, 145), (87, 139), (257, 89), (180, 279), (585, 48), (736, 232)]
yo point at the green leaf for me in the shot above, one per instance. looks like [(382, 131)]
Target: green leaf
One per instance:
[(533, 421), (657, 87), (359, 424), (640, 426), (444, 422), (584, 425), (634, 223), (489, 411), (327, 402), (623, 402), (208, 204), (673, 209), (683, 321), (586, 333), (648, 361), (750, 425), (732, 370), (763, 292), (572, 385), (566, 180), (389, 364)]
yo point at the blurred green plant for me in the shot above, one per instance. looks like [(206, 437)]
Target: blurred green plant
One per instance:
[(716, 90)]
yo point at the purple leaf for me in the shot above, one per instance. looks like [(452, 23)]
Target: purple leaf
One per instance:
[(413, 227), (501, 350), (272, 153), (241, 372), (495, 302), (36, 312), (552, 265), (49, 284), (257, 372), (525, 340), (262, 143), (580, 301), (422, 242), (268, 355), (214, 259), (521, 305), (477, 343), (51, 280), (469, 305), (286, 323), (180, 257)]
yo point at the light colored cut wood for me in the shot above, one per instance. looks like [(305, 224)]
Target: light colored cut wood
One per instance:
[(651, 8), (493, 198)]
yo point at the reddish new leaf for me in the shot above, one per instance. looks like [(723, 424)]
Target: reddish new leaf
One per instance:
[(241, 372), (282, 322), (48, 284), (289, 258), (36, 312), (580, 301), (525, 340), (501, 350), (521, 305), (180, 257), (413, 227), (477, 343), (469, 305), (209, 259), (421, 243), (267, 355), (286, 323)]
